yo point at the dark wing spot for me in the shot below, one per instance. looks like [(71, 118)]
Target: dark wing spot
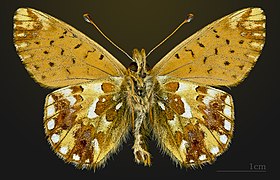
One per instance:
[(61, 37), (73, 60), (51, 64), (36, 42), (216, 51), (62, 51), (74, 36), (36, 67), (51, 42), (43, 77), (209, 70), (227, 41), (65, 32), (88, 53), (77, 46), (241, 42), (46, 52), (68, 71), (190, 70), (101, 57), (215, 31), (204, 60), (241, 67), (189, 50), (231, 51), (217, 36), (200, 44), (226, 63), (177, 56), (234, 76)]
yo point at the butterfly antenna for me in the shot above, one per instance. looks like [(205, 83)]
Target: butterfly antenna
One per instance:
[(187, 20), (89, 20)]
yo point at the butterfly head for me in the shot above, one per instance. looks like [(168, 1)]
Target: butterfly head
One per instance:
[(139, 66), (139, 72)]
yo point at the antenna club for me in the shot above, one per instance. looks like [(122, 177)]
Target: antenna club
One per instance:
[(89, 20), (87, 17), (189, 18)]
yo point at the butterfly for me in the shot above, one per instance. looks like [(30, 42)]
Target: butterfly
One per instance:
[(99, 101)]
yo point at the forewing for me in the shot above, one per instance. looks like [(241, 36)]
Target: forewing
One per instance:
[(58, 55), (221, 53), (192, 123), (86, 123)]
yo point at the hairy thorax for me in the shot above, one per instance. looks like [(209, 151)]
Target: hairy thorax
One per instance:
[(139, 93)]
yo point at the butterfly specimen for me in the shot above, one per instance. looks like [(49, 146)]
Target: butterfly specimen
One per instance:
[(99, 101)]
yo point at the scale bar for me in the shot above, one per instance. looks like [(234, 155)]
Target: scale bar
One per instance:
[(241, 171)]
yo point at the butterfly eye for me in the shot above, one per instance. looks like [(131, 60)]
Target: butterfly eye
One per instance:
[(133, 66), (148, 67), (143, 75)]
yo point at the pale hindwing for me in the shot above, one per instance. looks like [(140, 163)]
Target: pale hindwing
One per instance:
[(58, 55), (193, 123), (222, 53), (86, 123)]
